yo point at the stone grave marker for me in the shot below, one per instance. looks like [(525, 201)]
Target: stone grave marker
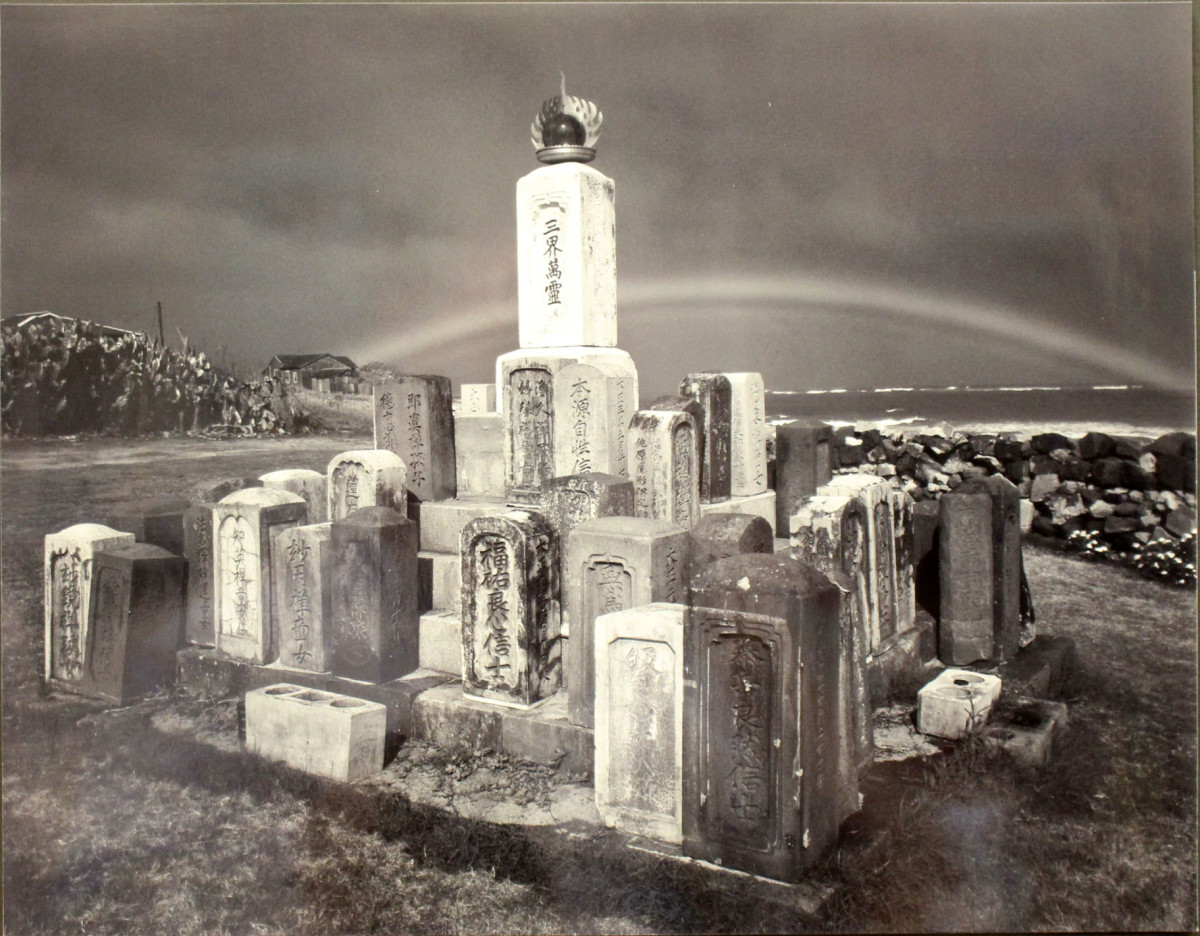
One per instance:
[(511, 614), (714, 394), (136, 623), (366, 478), (477, 399), (639, 720), (414, 418), (303, 599), (375, 620), (158, 522), (803, 463), (479, 455), (719, 535), (245, 525), (612, 564), (199, 550), (664, 466), (903, 522), (308, 484), (748, 441), (965, 563), (593, 419), (69, 557), (569, 501), (764, 785)]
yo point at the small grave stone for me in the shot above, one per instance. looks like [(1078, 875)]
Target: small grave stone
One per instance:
[(748, 443), (612, 564), (664, 466), (158, 522), (366, 478), (566, 258), (714, 394), (511, 615), (720, 535), (803, 462), (764, 781), (639, 720), (303, 596), (69, 558), (414, 418), (571, 500), (308, 484), (199, 550), (136, 622), (245, 525), (478, 399), (375, 619), (479, 455)]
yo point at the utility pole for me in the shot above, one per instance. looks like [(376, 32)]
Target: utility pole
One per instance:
[(161, 340)]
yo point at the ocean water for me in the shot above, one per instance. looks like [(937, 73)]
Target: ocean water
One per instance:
[(1119, 410)]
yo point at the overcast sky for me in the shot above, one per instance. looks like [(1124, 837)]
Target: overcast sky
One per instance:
[(836, 195)]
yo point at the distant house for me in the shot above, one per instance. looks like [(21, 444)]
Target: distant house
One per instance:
[(63, 321), (315, 371)]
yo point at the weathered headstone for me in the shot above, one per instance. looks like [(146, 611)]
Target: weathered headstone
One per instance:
[(569, 501), (245, 525), (477, 399), (511, 614), (714, 394), (375, 620), (69, 557), (748, 442), (965, 563), (803, 462), (303, 596), (902, 559), (199, 546), (612, 564), (664, 466), (414, 418), (310, 485), (479, 455), (157, 522), (720, 535), (366, 478), (764, 783), (136, 622), (566, 257), (638, 662), (592, 423)]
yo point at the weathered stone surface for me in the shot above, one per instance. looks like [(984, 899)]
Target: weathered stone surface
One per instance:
[(136, 621), (612, 564), (441, 522), (366, 478), (479, 455), (414, 418), (375, 618), (639, 720), (511, 609), (903, 533), (730, 534), (321, 733), (1096, 445), (802, 464), (441, 641), (1043, 486), (1026, 732), (566, 257), (308, 484), (478, 399), (664, 466), (1044, 668), (1181, 521), (303, 598), (211, 492), (757, 505), (748, 443), (439, 577), (245, 525), (764, 790), (1182, 444), (714, 394), (956, 703), (1047, 442), (569, 501), (158, 522), (592, 423), (1175, 472), (966, 555), (199, 548)]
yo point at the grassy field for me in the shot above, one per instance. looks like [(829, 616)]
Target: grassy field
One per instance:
[(113, 825)]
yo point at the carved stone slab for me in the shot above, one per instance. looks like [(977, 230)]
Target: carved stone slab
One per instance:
[(309, 484), (965, 629), (714, 394), (366, 478), (571, 500), (199, 548), (414, 418), (903, 531), (803, 462), (664, 466), (303, 558), (748, 438)]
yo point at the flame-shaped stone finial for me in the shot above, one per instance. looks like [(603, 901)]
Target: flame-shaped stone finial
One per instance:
[(567, 128)]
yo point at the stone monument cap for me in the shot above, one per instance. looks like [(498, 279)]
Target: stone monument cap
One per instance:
[(566, 129)]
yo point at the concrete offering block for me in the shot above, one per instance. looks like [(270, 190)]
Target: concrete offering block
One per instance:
[(212, 492), (136, 622), (441, 642), (956, 703), (758, 505), (245, 525), (375, 618), (414, 418), (664, 465), (765, 783), (612, 564), (442, 522), (157, 522), (803, 462), (569, 501), (303, 598), (69, 555), (321, 733), (541, 415), (479, 455), (714, 394), (566, 257), (198, 549), (478, 399), (1026, 732), (902, 557), (310, 485), (440, 581), (511, 613), (748, 436), (366, 478), (639, 720), (730, 534)]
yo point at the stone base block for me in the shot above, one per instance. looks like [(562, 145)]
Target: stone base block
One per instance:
[(439, 581), (903, 658), (442, 521), (211, 674), (955, 703), (542, 734), (327, 734), (1042, 669), (441, 642), (1026, 733), (758, 505)]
